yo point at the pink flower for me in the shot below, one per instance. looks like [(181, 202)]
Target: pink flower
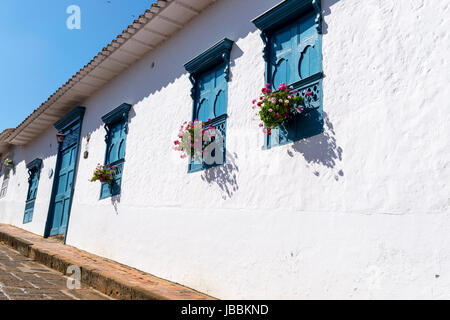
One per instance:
[(286, 101), (270, 110), (278, 115), (261, 125), (267, 85), (209, 119), (299, 109), (176, 142), (254, 101), (309, 94), (281, 100), (282, 86)]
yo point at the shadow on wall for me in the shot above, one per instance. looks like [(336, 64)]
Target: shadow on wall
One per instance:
[(224, 176), (235, 54), (326, 11), (322, 150), (115, 201)]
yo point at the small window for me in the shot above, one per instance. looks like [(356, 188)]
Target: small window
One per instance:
[(210, 74), (291, 32), (116, 125), (34, 171), (5, 182)]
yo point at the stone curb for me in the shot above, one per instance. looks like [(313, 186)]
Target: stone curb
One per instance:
[(111, 285)]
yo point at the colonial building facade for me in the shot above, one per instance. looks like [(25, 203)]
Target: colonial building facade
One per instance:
[(349, 199)]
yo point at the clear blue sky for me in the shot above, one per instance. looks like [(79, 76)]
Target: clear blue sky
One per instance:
[(39, 53)]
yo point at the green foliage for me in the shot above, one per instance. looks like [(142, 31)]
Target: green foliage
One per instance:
[(276, 107), (104, 174)]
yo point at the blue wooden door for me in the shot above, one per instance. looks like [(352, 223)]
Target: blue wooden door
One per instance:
[(31, 196), (64, 176)]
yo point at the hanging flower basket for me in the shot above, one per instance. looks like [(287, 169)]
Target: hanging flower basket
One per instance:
[(274, 108), (104, 174), (9, 164), (193, 138)]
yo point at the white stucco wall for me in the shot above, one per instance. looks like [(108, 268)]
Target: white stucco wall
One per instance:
[(361, 211), (12, 206)]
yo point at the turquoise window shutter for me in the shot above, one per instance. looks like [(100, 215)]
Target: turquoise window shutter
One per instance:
[(210, 75), (283, 56), (34, 170), (292, 33), (212, 94), (116, 125)]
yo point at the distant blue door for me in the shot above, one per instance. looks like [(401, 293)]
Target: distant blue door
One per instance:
[(64, 180)]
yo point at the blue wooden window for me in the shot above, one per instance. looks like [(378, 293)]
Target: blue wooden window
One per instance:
[(34, 171), (292, 33), (5, 182), (116, 125), (210, 73)]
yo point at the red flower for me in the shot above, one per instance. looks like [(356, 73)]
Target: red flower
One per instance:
[(259, 104)]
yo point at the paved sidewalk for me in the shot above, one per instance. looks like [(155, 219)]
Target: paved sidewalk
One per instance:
[(23, 279), (108, 277)]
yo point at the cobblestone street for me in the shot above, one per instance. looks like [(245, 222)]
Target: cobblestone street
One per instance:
[(23, 279)]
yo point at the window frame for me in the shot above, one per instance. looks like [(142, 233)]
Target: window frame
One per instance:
[(5, 182), (34, 172), (209, 61), (281, 16), (120, 115)]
